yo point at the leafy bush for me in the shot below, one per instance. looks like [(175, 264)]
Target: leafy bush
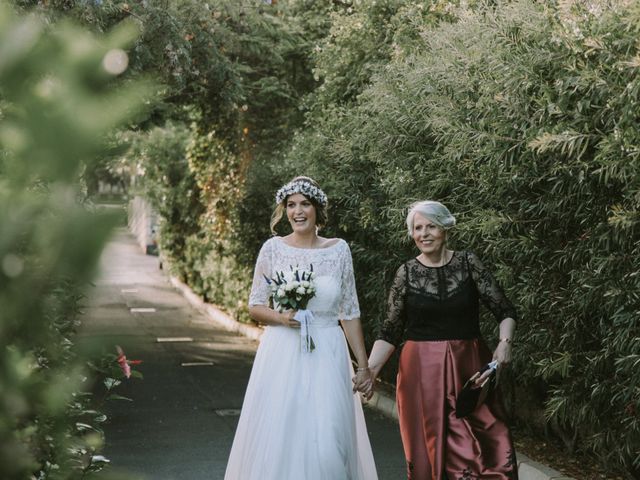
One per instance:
[(160, 154), (523, 120), (56, 101), (211, 189)]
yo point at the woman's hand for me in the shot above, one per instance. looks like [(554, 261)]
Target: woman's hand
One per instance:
[(502, 353), (286, 319), (374, 375), (363, 382), (380, 353)]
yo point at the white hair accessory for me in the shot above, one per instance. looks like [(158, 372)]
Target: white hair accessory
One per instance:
[(303, 187)]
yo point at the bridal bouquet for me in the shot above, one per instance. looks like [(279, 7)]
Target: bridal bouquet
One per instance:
[(292, 290)]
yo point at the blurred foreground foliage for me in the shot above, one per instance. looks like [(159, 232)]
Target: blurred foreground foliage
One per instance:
[(58, 105)]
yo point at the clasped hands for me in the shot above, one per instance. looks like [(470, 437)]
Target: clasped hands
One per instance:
[(363, 382)]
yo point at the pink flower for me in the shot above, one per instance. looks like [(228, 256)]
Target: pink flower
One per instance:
[(125, 364)]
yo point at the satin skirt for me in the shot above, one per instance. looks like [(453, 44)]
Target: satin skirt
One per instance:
[(437, 445), (300, 419)]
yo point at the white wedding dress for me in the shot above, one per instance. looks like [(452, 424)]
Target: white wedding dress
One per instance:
[(300, 419)]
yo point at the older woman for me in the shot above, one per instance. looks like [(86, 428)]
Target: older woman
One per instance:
[(433, 312)]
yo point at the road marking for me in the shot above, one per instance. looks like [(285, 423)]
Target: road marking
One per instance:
[(173, 339), (129, 290), (142, 310), (228, 412), (196, 364)]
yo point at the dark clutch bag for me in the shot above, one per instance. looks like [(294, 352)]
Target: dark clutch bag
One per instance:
[(472, 395)]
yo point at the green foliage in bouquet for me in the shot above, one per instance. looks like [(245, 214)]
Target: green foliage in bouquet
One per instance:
[(57, 104)]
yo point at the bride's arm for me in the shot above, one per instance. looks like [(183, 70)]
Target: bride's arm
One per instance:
[(349, 312), (353, 332), (268, 316), (259, 303)]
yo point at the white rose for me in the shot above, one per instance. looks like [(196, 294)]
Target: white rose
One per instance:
[(300, 291), (280, 292), (289, 286), (305, 284)]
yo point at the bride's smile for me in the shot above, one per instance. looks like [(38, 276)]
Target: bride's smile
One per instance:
[(301, 214)]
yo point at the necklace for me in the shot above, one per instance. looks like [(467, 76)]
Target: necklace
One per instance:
[(440, 263), (300, 242)]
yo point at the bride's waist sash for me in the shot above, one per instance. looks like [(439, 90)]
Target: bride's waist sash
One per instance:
[(323, 320)]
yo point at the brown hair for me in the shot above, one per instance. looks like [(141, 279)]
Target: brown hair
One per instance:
[(321, 210)]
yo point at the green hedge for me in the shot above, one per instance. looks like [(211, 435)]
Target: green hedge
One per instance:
[(523, 120)]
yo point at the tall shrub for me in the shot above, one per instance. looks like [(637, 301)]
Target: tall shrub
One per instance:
[(57, 102), (522, 118), (227, 166)]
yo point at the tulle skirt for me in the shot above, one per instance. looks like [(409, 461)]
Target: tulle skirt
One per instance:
[(439, 446), (300, 419)]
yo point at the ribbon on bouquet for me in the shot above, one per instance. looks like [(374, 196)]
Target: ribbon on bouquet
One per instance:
[(306, 342)]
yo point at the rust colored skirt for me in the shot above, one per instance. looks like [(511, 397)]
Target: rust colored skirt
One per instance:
[(437, 445)]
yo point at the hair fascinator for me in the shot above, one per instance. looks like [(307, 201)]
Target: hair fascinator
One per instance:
[(303, 187)]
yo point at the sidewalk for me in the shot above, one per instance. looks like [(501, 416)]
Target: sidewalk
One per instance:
[(528, 469)]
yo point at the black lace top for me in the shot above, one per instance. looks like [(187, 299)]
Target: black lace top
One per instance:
[(442, 303)]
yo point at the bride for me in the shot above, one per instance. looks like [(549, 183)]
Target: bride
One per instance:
[(300, 419)]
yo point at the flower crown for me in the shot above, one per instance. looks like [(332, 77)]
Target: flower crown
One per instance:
[(304, 187)]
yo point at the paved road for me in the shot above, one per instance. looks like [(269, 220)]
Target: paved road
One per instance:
[(181, 422)]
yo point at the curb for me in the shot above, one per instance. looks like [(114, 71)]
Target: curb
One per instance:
[(215, 314), (528, 469)]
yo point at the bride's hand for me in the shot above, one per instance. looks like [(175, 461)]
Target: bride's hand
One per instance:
[(363, 382), (286, 319)]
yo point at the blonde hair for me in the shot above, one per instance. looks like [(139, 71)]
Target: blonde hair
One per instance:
[(434, 211), (321, 210)]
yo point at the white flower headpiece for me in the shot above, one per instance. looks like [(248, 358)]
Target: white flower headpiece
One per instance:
[(304, 187)]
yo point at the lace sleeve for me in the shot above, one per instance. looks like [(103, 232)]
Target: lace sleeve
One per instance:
[(492, 295), (392, 328), (260, 292), (348, 307)]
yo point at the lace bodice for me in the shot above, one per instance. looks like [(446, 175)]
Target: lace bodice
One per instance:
[(442, 303), (335, 297)]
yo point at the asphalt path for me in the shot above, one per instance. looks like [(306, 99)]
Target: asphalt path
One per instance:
[(182, 419)]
